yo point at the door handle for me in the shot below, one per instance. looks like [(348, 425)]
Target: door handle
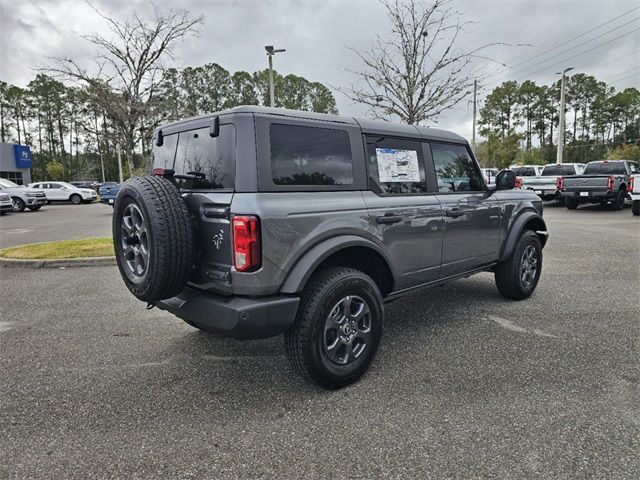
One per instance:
[(388, 219), (454, 213)]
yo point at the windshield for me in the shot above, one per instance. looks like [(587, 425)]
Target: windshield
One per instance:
[(605, 168), (8, 183)]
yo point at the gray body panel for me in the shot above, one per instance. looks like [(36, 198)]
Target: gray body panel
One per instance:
[(419, 239)]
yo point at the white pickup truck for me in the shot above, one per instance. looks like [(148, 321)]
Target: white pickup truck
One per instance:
[(633, 190), (544, 185)]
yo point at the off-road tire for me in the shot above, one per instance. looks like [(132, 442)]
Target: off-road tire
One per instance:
[(635, 207), (508, 273), (18, 204), (35, 208), (170, 238), (75, 199), (304, 340), (571, 203)]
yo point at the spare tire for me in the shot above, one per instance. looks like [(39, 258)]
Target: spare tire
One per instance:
[(153, 238)]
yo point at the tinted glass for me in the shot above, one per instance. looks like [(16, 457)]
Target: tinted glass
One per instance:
[(559, 170), (395, 165), (633, 167), (164, 155), (310, 156), (525, 171), (205, 162), (455, 170), (602, 168)]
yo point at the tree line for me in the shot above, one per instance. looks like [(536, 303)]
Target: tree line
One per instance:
[(73, 135), (520, 120)]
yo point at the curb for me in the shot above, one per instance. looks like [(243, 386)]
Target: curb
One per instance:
[(57, 263)]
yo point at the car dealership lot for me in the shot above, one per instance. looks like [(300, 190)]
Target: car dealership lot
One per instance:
[(465, 383), (57, 221)]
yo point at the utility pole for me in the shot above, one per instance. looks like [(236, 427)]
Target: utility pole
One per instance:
[(561, 122), (270, 53), (473, 136), (119, 163)]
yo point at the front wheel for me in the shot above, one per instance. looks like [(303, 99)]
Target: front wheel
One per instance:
[(337, 328), (635, 207), (517, 277), (75, 199), (18, 204), (34, 208)]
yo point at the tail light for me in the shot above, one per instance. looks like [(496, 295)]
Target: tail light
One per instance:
[(518, 182), (246, 243), (560, 184), (630, 184), (610, 183)]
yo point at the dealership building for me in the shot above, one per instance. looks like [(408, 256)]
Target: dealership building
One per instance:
[(15, 163)]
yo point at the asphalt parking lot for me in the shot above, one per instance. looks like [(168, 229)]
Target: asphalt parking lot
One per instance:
[(466, 383), (59, 221)]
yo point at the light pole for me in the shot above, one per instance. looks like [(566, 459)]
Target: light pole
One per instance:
[(270, 53), (561, 122)]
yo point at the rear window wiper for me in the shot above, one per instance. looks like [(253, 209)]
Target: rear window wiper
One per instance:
[(190, 176)]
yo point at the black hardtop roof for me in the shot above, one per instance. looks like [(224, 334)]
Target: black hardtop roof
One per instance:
[(367, 125)]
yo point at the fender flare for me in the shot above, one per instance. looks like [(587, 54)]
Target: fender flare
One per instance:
[(305, 266), (516, 229)]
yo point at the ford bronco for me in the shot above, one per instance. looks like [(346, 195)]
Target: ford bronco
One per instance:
[(259, 221)]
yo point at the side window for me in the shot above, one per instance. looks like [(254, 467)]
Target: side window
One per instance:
[(55, 185), (310, 156), (633, 167), (395, 165), (455, 170)]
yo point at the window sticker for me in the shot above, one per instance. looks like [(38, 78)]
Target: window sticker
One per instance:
[(395, 165)]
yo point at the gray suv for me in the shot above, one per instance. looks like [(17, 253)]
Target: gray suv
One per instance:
[(261, 221)]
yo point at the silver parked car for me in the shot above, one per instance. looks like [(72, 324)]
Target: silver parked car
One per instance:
[(23, 197)]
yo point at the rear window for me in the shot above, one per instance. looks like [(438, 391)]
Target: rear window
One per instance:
[(559, 170), (525, 171), (310, 156), (602, 168), (200, 162)]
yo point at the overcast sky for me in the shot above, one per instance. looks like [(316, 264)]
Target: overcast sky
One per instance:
[(316, 33)]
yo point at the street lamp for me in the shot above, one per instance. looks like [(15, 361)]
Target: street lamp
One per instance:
[(270, 53), (561, 122)]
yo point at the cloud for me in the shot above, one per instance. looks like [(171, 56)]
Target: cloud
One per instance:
[(316, 33)]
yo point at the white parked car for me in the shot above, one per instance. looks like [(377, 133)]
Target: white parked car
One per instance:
[(633, 189), (545, 185), (6, 205), (489, 175), (65, 192), (22, 197)]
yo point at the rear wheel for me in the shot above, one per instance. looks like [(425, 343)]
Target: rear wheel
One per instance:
[(517, 277), (571, 203), (635, 207), (18, 204), (75, 199), (618, 202), (337, 329)]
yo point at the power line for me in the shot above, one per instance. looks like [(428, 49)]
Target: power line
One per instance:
[(626, 78), (570, 49), (569, 41), (620, 73)]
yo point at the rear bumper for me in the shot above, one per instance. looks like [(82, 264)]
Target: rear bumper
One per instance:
[(595, 196), (237, 317), (6, 207)]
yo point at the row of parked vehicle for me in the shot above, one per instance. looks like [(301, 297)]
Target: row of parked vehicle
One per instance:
[(17, 198), (606, 182)]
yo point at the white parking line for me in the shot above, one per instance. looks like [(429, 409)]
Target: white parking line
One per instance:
[(5, 326), (503, 322), (17, 230)]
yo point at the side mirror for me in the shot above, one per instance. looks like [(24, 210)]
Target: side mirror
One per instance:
[(506, 180)]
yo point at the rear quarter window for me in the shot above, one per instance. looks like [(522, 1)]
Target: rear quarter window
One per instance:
[(310, 155)]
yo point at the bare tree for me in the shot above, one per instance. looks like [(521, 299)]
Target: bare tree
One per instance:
[(129, 66), (417, 72)]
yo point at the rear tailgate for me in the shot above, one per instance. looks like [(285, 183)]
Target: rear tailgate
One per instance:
[(210, 213), (539, 183), (586, 183)]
